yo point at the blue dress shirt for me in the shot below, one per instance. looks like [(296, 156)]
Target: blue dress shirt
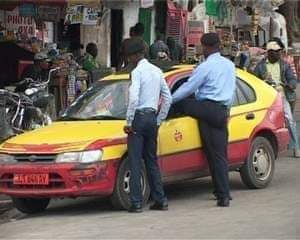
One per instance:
[(214, 79), (147, 86)]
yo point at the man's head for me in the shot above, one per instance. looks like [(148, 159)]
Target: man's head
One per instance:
[(41, 60), (210, 44), (139, 29), (131, 32), (92, 49), (274, 51), (136, 50)]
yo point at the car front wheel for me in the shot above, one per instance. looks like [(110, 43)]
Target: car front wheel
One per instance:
[(120, 197), (31, 205), (258, 170)]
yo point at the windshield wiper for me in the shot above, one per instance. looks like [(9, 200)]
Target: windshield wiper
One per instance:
[(104, 117), (67, 118)]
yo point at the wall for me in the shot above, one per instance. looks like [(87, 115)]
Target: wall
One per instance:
[(99, 35), (130, 16)]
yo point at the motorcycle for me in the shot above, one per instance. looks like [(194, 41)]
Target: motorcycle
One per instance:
[(24, 111)]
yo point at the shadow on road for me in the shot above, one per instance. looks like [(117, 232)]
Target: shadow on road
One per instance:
[(197, 189)]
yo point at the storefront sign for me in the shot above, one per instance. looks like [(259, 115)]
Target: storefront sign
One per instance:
[(90, 16), (49, 13), (147, 3), (82, 15), (74, 14), (23, 25), (27, 10)]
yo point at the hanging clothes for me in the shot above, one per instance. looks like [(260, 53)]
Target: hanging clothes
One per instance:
[(216, 8)]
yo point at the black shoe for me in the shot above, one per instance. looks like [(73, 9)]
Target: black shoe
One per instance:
[(159, 206), (216, 197), (135, 208), (223, 202)]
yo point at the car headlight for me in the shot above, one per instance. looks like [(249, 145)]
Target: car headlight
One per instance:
[(6, 158), (80, 157)]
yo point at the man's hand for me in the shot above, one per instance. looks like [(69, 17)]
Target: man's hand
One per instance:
[(128, 130)]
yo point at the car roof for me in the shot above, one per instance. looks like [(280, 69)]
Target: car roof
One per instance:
[(167, 72), (183, 68)]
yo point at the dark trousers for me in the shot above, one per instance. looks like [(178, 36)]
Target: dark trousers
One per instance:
[(212, 118), (142, 145)]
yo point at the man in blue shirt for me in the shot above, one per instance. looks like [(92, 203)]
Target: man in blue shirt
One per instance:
[(143, 120), (213, 85)]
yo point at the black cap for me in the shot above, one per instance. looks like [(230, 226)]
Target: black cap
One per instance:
[(210, 40), (135, 45)]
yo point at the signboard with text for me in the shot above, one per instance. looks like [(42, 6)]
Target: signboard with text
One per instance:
[(82, 15), (21, 24)]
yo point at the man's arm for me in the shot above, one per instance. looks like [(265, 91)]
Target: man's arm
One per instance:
[(166, 100), (193, 83), (258, 71), (291, 80), (134, 92)]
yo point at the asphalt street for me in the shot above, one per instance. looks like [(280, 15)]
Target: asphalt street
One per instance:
[(271, 213)]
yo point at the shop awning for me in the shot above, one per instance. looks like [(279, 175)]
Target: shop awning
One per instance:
[(87, 3), (11, 4)]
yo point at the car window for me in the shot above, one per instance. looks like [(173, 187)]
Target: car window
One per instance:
[(109, 99), (247, 91), (178, 84), (240, 96), (235, 101)]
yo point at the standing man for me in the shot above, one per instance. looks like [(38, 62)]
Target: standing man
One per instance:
[(275, 71), (213, 83), (148, 85)]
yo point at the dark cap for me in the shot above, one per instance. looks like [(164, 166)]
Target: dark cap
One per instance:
[(135, 45), (210, 40)]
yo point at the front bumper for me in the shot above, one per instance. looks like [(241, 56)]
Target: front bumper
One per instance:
[(65, 180)]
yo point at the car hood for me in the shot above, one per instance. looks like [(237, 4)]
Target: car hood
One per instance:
[(65, 136)]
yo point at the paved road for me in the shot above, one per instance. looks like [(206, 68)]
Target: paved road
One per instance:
[(273, 212)]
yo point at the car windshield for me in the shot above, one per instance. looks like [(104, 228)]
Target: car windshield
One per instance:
[(106, 100)]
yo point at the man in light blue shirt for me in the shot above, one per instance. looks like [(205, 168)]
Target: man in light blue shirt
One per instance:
[(213, 86), (147, 86)]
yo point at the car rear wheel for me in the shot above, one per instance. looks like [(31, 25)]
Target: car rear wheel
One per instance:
[(31, 205), (258, 170), (120, 197)]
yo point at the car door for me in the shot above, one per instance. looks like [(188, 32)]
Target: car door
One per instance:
[(179, 143), (245, 115)]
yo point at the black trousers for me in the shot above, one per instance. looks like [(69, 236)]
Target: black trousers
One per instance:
[(142, 145), (213, 119)]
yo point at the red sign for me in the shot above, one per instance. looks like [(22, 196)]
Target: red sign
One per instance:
[(23, 25)]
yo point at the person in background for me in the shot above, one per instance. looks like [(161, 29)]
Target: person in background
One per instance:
[(176, 51), (275, 71), (287, 58), (123, 60), (39, 70), (147, 88), (139, 30), (78, 53), (158, 48), (213, 84), (90, 62)]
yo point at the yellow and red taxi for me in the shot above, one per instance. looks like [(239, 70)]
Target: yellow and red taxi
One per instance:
[(85, 152)]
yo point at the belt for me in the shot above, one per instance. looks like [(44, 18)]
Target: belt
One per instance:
[(146, 110), (215, 102)]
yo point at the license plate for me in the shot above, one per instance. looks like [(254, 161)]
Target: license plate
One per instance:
[(31, 179)]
